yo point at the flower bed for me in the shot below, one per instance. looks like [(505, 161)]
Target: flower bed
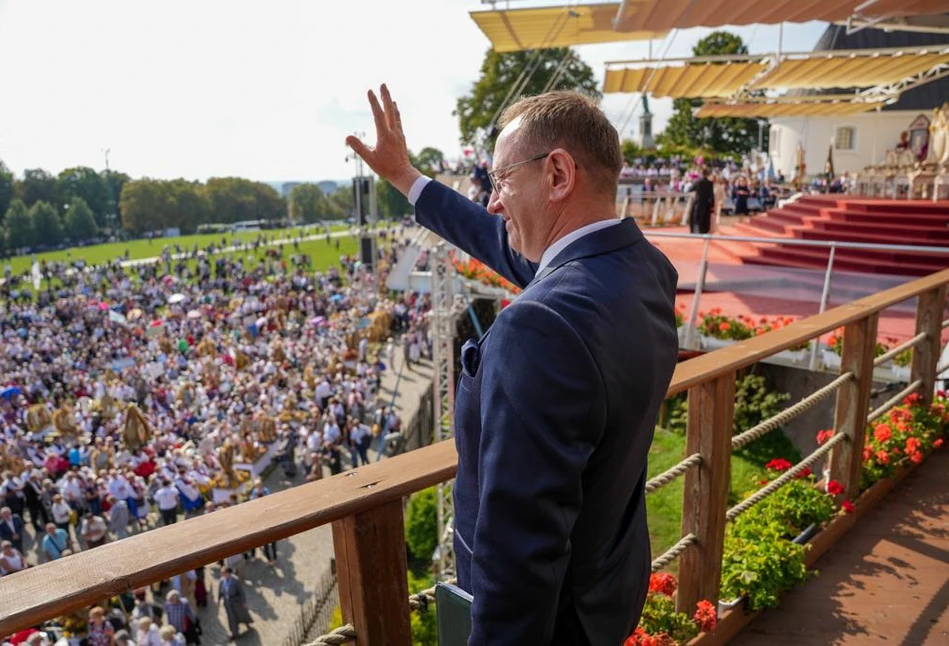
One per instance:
[(477, 270), (759, 558), (661, 625)]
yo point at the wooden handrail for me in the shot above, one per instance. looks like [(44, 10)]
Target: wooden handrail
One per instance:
[(88, 577), (745, 353), (91, 576)]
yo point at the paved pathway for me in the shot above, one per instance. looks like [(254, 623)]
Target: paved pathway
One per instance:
[(886, 582), (276, 594)]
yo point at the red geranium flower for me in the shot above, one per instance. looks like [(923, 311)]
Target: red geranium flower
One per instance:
[(803, 474), (882, 433), (778, 464), (847, 506), (834, 488), (937, 443), (663, 583), (823, 436), (705, 616)]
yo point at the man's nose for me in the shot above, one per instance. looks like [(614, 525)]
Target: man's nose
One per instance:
[(494, 203)]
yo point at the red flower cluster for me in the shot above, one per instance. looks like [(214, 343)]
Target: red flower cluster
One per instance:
[(641, 638), (705, 616), (663, 583), (778, 464), (834, 488), (847, 506), (477, 270), (823, 436), (803, 474)]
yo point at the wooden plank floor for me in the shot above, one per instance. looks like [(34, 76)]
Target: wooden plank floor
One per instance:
[(887, 581)]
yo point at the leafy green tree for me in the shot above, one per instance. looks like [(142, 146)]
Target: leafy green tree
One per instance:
[(235, 199), (499, 74), (145, 204), (37, 186), (114, 181), (631, 150), (725, 135), (85, 183), (19, 226), (6, 187), (188, 206), (430, 161), (80, 223), (308, 204), (421, 524), (341, 205), (47, 225)]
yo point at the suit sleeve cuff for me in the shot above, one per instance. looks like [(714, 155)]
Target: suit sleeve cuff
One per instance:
[(417, 188)]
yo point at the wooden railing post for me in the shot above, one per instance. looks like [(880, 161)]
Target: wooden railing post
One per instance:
[(929, 311), (371, 569), (853, 402), (705, 497)]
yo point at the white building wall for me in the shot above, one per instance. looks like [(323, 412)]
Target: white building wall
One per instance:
[(874, 134)]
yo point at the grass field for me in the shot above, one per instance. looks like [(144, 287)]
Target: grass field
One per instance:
[(664, 507), (97, 254)]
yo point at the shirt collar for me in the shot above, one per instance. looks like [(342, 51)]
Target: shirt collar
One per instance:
[(551, 252)]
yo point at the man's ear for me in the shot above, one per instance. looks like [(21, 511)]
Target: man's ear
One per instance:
[(561, 170)]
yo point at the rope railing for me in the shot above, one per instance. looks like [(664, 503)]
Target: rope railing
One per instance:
[(912, 343), (894, 400), (340, 635), (783, 479), (419, 601), (770, 424), (673, 552), (669, 475)]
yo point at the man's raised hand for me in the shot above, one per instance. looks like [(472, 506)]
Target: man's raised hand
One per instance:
[(389, 158)]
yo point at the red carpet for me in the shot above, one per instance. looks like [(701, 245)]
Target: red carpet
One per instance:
[(905, 222)]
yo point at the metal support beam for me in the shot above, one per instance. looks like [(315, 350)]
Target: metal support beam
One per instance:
[(443, 275)]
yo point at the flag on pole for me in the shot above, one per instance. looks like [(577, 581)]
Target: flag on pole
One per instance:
[(37, 275)]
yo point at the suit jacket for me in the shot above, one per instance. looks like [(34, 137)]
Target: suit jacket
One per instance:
[(554, 415), (704, 191), (7, 535), (234, 593)]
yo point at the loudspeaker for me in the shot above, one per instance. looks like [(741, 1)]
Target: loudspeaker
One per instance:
[(367, 251), (361, 199)]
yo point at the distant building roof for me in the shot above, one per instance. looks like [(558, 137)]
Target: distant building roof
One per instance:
[(923, 98)]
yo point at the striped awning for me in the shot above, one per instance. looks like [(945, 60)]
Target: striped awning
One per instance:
[(513, 30), (787, 107), (663, 15), (855, 68), (723, 76), (698, 80)]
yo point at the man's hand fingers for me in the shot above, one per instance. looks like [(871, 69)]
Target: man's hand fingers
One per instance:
[(358, 146), (398, 116), (391, 118), (378, 115)]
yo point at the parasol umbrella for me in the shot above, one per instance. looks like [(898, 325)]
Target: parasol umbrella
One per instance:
[(176, 298), (194, 314), (10, 391), (135, 314)]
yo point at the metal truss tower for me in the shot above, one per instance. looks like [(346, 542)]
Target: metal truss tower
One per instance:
[(443, 316)]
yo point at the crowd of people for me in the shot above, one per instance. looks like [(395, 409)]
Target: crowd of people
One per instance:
[(136, 395)]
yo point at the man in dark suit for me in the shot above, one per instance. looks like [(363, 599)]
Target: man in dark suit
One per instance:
[(701, 217), (11, 528), (231, 593), (556, 407)]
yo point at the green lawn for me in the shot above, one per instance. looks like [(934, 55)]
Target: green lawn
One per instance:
[(664, 507), (97, 254)]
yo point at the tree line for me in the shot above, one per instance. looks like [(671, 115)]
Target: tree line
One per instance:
[(80, 205)]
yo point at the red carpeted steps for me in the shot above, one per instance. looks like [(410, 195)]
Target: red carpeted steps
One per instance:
[(914, 223)]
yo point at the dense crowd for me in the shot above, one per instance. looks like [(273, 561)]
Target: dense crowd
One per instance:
[(135, 395)]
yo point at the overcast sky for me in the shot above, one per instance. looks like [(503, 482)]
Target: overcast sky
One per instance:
[(266, 89)]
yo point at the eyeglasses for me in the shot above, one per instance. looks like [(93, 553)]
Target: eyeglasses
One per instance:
[(493, 175)]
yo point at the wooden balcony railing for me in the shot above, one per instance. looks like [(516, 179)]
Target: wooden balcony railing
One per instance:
[(365, 505)]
